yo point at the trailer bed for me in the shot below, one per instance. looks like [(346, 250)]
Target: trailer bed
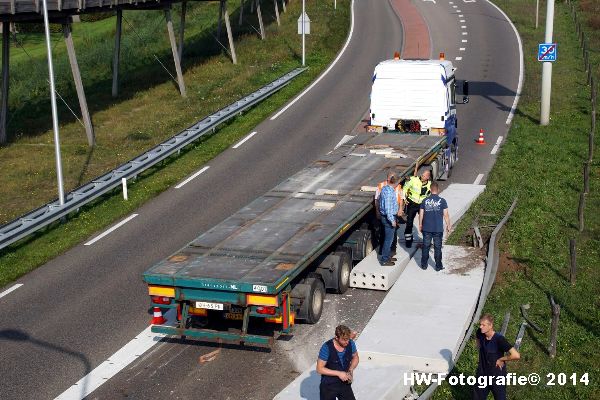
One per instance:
[(271, 240)]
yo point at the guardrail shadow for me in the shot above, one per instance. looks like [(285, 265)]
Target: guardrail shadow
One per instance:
[(15, 335)]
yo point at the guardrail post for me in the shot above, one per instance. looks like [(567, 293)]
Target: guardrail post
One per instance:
[(505, 323), (124, 184), (573, 258), (553, 327)]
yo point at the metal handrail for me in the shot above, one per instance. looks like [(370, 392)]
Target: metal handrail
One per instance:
[(45, 215), (488, 280)]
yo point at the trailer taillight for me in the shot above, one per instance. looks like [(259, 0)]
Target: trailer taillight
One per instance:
[(261, 300), (161, 299), (266, 310)]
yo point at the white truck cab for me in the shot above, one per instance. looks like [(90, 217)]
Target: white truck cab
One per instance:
[(416, 96)]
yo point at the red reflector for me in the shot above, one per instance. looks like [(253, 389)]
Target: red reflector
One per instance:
[(161, 300), (266, 310)]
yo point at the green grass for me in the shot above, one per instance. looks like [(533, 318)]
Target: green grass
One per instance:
[(139, 119), (542, 166)]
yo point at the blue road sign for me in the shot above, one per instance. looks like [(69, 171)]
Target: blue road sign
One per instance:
[(547, 51)]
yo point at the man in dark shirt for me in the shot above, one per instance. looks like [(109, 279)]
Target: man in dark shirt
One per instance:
[(492, 361), (432, 214), (337, 360)]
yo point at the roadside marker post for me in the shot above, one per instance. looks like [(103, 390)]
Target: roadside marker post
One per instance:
[(547, 55)]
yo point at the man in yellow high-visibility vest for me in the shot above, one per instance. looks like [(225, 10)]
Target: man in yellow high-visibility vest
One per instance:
[(416, 189)]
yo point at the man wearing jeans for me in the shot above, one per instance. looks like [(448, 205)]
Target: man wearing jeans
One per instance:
[(432, 214), (388, 210)]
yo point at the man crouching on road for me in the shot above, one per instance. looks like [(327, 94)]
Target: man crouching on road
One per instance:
[(337, 360)]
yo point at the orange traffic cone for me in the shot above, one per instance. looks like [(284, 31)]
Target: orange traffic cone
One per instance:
[(480, 139), (158, 318)]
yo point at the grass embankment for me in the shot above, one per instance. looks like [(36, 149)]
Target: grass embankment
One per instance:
[(150, 110), (542, 166)]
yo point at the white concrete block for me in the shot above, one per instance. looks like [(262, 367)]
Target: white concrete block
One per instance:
[(422, 320), (370, 274), (366, 386)]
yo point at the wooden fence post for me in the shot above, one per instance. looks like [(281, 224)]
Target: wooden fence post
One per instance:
[(586, 177), (580, 210), (573, 254), (553, 327)]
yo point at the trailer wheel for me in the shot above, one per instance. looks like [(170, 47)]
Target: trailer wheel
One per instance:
[(315, 298), (342, 271), (361, 243)]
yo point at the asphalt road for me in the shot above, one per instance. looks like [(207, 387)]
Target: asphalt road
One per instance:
[(74, 312)]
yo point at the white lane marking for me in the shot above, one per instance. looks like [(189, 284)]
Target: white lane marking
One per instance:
[(463, 27), (462, 20), (454, 6), (241, 142), (450, 2), (511, 114), (460, 15), (115, 363), (464, 40), (11, 289), (458, 58), (458, 11), (478, 179), (462, 49), (345, 139), (464, 33), (114, 227), (192, 177), (327, 70), (497, 145)]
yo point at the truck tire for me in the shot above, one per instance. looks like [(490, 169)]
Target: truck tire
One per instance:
[(314, 301), (361, 243), (342, 271)]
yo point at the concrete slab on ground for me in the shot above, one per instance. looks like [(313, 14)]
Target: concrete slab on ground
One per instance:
[(370, 376), (423, 319)]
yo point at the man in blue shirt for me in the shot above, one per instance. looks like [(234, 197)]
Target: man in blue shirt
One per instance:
[(388, 210), (432, 214), (492, 360), (337, 361)]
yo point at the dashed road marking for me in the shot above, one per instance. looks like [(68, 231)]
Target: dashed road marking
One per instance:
[(192, 177), (241, 142), (11, 289), (117, 226), (478, 179), (458, 58), (464, 40), (462, 49), (497, 145), (464, 33)]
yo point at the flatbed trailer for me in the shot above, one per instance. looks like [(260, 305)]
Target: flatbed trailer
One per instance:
[(274, 258)]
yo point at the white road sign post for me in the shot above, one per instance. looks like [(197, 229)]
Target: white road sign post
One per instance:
[(303, 29), (547, 67)]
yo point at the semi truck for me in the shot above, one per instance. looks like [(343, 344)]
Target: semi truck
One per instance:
[(270, 265)]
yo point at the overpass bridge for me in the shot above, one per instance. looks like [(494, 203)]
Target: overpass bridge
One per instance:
[(64, 12)]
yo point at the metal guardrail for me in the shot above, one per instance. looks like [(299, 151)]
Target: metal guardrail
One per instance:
[(45, 215), (489, 277)]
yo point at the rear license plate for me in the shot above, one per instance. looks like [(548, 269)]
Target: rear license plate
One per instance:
[(209, 306), (234, 316)]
